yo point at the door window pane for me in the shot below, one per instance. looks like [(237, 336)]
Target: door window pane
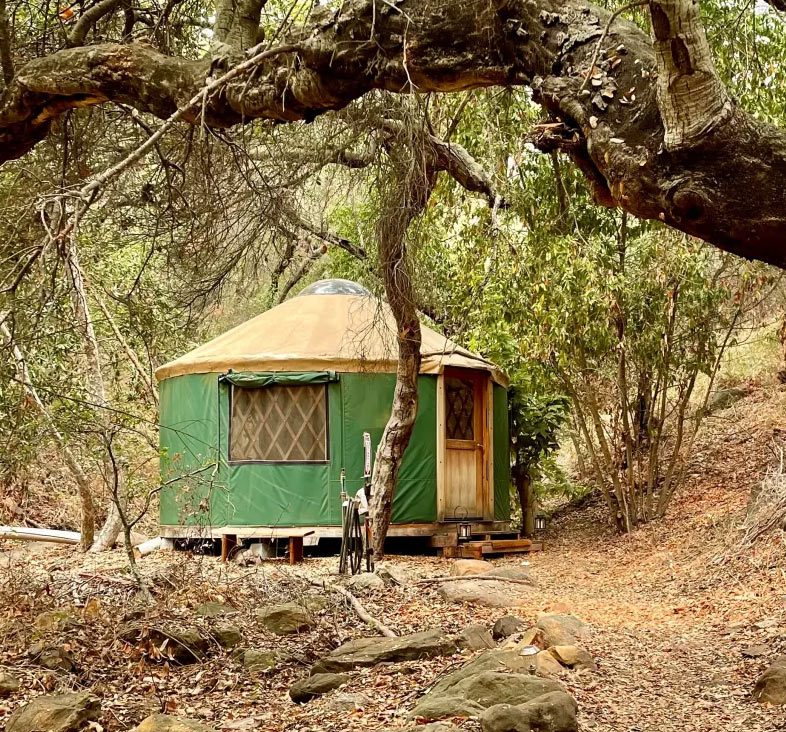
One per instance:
[(459, 409)]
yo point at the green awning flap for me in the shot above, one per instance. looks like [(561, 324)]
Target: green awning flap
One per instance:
[(259, 380)]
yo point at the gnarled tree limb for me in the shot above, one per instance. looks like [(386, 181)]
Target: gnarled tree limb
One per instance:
[(614, 129)]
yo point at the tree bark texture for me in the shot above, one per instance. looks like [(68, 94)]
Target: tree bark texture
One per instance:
[(689, 162), (406, 198)]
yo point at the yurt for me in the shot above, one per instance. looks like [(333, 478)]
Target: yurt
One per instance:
[(258, 424)]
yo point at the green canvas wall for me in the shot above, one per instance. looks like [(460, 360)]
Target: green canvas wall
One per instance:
[(194, 430)]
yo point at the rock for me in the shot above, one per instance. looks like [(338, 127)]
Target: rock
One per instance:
[(483, 689), (167, 723), (364, 582), (463, 567), (181, 645), (314, 603), (492, 687), (547, 665), (494, 660), (507, 625), (227, 636), (475, 637), (315, 685), (55, 658), (390, 574), (767, 623), (255, 660), (214, 610), (573, 657), (371, 651), (724, 398), (771, 686), (349, 702), (448, 705), (55, 713), (755, 651), (8, 684), (561, 630), (491, 678), (57, 620), (512, 572), (171, 642), (285, 619), (532, 637), (484, 592), (552, 712)]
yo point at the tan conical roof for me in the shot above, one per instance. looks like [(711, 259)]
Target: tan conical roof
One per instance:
[(322, 332)]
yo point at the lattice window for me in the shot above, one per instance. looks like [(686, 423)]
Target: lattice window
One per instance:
[(279, 424), (460, 409)]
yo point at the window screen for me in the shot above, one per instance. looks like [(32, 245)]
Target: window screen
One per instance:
[(279, 424)]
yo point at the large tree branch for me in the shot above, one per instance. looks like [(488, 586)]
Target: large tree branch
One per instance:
[(612, 127), (691, 98), (89, 18)]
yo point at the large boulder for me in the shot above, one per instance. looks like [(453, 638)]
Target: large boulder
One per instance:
[(475, 638), (771, 686), (561, 630), (315, 685), (485, 592), (56, 713), (166, 723), (546, 665), (8, 684), (364, 582), (447, 705), (573, 657), (551, 712), (285, 619), (507, 625), (463, 567), (371, 651), (491, 678)]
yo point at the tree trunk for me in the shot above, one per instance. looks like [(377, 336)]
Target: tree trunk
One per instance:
[(405, 199)]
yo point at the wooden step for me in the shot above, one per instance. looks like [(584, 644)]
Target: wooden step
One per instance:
[(480, 549)]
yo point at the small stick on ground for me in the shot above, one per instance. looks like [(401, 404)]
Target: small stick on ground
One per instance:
[(362, 613)]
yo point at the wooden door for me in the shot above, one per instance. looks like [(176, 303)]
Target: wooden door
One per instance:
[(465, 444)]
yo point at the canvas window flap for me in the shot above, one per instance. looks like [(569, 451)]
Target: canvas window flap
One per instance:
[(260, 380)]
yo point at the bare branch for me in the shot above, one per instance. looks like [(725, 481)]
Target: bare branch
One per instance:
[(89, 18)]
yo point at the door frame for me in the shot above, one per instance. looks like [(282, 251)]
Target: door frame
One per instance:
[(483, 422)]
